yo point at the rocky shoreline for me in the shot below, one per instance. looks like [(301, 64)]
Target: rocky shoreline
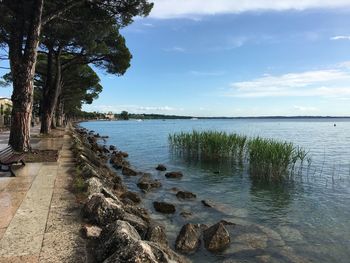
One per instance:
[(122, 231)]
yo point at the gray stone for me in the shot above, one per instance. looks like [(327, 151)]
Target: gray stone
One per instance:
[(134, 197), (101, 210), (174, 175), (129, 171), (161, 167), (216, 238), (146, 183), (164, 207), (94, 185), (91, 232), (188, 240), (185, 195), (156, 233)]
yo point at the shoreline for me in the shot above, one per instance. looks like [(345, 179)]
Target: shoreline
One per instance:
[(118, 228)]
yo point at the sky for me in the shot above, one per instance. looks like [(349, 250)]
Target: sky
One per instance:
[(234, 58)]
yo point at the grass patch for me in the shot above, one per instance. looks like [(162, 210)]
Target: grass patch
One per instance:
[(266, 159)]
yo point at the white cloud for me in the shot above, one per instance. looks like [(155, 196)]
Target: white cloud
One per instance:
[(340, 38), (306, 108), (133, 108), (175, 49), (329, 83), (189, 8)]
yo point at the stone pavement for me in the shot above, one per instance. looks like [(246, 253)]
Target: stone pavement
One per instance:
[(39, 215)]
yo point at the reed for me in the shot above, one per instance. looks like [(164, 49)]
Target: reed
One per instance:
[(266, 159)]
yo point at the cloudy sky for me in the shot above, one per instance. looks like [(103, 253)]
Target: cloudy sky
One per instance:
[(235, 58)]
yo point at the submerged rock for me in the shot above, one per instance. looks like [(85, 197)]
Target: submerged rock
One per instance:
[(185, 195), (189, 238), (164, 207), (146, 183), (134, 197), (112, 148), (128, 171), (208, 203), (216, 238), (186, 214), (174, 175), (161, 167)]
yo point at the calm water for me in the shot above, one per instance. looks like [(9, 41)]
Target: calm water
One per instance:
[(307, 220)]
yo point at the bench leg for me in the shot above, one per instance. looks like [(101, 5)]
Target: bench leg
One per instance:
[(12, 173), (23, 163)]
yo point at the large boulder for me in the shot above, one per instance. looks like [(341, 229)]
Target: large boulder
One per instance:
[(163, 207), (185, 195), (156, 233), (121, 243), (138, 223), (174, 175), (101, 210), (189, 238), (93, 185), (216, 238), (146, 183)]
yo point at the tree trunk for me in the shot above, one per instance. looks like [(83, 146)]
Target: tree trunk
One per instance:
[(51, 93), (59, 113), (22, 62)]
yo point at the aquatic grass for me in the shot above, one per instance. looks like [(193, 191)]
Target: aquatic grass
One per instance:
[(266, 159)]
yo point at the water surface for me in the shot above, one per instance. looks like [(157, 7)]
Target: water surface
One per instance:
[(307, 220)]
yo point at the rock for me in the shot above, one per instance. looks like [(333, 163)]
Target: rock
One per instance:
[(121, 243), (105, 149), (207, 203), (186, 214), (161, 167), (124, 154), (216, 238), (118, 162), (117, 237), (107, 193), (101, 210), (189, 238), (146, 183), (128, 171), (185, 195), (174, 175), (156, 233), (112, 148), (138, 223), (91, 232), (164, 207), (134, 197), (138, 211), (94, 185)]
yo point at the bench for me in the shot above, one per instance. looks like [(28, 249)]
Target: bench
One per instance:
[(8, 157)]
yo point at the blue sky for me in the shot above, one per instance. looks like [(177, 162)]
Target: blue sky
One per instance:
[(223, 58)]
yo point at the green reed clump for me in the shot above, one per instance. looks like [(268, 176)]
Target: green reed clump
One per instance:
[(267, 159), (209, 144)]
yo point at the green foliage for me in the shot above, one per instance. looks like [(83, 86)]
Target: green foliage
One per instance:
[(267, 159), (124, 115)]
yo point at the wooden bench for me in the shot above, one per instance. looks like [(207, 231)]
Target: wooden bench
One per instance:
[(8, 157)]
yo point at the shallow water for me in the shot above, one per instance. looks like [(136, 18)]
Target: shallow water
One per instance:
[(307, 220)]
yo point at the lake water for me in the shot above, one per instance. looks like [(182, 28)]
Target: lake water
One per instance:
[(307, 220)]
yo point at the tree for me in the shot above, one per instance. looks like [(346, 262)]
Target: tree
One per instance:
[(124, 115), (21, 22)]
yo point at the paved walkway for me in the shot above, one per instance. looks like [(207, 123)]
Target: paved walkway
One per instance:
[(39, 215)]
